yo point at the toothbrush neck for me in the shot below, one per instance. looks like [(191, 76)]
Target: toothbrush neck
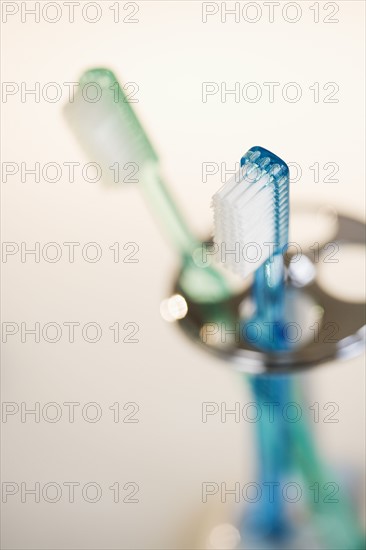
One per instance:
[(268, 293)]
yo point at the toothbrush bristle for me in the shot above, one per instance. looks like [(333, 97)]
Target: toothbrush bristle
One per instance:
[(108, 128), (251, 212)]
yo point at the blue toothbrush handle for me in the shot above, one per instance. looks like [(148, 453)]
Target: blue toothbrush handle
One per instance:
[(273, 451)]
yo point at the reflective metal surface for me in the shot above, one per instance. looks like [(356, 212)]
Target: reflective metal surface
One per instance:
[(331, 328)]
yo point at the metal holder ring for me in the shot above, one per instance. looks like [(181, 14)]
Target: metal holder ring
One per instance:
[(348, 318)]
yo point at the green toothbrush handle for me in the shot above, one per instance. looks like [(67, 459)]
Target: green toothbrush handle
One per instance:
[(336, 517), (200, 281), (166, 211)]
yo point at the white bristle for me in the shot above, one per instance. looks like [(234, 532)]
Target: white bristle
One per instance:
[(110, 134), (244, 220)]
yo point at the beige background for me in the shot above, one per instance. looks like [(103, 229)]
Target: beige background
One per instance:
[(169, 53)]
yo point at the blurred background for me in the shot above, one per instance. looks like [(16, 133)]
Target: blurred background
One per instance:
[(167, 50)]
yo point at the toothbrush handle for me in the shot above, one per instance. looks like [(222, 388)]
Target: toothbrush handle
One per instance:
[(285, 448), (344, 529), (272, 450), (201, 283), (167, 212), (268, 290), (273, 433)]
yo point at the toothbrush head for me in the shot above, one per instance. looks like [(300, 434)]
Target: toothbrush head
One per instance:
[(251, 212), (102, 119)]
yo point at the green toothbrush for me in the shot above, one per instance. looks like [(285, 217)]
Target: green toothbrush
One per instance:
[(112, 135)]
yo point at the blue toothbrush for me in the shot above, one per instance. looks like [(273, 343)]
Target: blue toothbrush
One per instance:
[(252, 210)]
